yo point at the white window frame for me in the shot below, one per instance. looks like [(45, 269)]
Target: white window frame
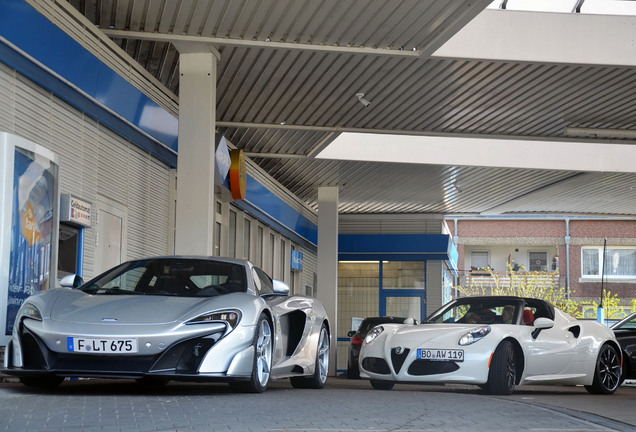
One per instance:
[(547, 263), (608, 269), (487, 252)]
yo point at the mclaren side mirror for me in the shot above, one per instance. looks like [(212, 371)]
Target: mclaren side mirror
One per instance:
[(280, 287), (351, 333), (71, 281)]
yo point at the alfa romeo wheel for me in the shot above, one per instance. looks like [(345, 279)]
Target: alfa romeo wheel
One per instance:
[(607, 373), (502, 375), (353, 372)]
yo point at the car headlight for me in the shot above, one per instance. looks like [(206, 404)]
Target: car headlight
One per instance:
[(474, 335), (374, 333), (29, 310), (230, 317)]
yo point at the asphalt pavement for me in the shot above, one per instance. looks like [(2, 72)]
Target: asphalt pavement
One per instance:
[(343, 405)]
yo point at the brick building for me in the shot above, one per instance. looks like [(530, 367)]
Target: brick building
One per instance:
[(570, 246)]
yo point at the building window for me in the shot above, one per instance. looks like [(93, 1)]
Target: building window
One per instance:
[(247, 239), (479, 260), (218, 229), (272, 251), (217, 239), (282, 259), (292, 273), (232, 235), (259, 247), (619, 262), (538, 261)]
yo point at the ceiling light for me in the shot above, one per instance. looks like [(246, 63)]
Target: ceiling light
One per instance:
[(362, 100), (599, 133)]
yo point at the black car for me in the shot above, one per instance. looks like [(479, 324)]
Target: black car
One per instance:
[(625, 332), (357, 337)]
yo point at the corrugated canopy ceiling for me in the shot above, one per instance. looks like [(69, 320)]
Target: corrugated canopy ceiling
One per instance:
[(290, 70)]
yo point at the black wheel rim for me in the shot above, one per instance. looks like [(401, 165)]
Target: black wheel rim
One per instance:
[(609, 369), (511, 369)]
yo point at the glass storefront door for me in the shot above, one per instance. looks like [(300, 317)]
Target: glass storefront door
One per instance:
[(403, 289), (405, 305), (377, 288)]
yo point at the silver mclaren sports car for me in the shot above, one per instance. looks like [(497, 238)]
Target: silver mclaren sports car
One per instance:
[(173, 318)]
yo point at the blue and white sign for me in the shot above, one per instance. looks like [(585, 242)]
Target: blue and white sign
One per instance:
[(296, 260), (223, 161), (30, 220)]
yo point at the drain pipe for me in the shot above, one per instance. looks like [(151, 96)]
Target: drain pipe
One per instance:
[(461, 274), (567, 256)]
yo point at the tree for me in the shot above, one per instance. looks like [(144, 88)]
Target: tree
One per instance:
[(541, 285)]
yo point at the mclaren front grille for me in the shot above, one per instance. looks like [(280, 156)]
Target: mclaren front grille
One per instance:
[(181, 358)]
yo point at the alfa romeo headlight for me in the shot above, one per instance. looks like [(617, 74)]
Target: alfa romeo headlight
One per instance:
[(230, 317), (29, 310), (474, 335), (374, 333)]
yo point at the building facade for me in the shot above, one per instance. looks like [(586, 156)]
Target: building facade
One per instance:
[(580, 253)]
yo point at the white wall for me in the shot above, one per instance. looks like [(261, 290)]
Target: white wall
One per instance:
[(94, 161)]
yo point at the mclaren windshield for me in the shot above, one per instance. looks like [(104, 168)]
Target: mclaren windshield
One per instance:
[(170, 277)]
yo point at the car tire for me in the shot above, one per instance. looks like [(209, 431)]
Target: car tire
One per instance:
[(48, 381), (321, 368), (502, 375), (262, 365), (353, 372), (382, 385), (607, 372)]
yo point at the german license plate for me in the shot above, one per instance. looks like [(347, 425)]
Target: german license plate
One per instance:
[(102, 345), (440, 354)]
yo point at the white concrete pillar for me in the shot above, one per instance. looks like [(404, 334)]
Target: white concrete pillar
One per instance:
[(327, 289), (195, 164)]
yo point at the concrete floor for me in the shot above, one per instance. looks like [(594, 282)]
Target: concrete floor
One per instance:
[(343, 405)]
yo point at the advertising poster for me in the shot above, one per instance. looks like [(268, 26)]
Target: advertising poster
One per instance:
[(32, 225)]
